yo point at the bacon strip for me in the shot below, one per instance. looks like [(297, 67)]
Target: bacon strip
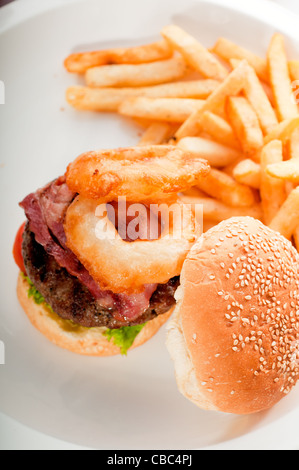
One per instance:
[(45, 209)]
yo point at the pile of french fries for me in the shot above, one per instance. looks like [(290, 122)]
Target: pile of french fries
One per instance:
[(224, 104)]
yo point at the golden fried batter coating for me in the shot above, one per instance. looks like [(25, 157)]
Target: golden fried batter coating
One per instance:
[(125, 267), (141, 174)]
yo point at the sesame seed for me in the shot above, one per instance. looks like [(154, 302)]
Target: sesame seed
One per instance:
[(267, 272)]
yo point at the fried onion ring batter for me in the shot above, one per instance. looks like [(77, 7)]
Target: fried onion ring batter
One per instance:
[(141, 174), (125, 267)]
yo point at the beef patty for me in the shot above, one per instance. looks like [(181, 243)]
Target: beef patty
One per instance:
[(71, 300)]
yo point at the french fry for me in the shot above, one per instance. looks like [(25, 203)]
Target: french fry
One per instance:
[(249, 173), (294, 75), (215, 103), (109, 99), (259, 99), (229, 169), (217, 154), (265, 86), (246, 125), (218, 211), (283, 130), (163, 109), (196, 55), (219, 129), (227, 50), (280, 79), (292, 145), (80, 62), (199, 89), (287, 170), (97, 99), (273, 193), (193, 194), (294, 69), (286, 220), (136, 75), (224, 188), (293, 149), (260, 102), (268, 90), (157, 133)]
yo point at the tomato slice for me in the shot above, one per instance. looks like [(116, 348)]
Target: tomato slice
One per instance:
[(17, 248)]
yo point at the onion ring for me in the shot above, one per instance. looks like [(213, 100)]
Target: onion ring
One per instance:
[(141, 174), (125, 267)]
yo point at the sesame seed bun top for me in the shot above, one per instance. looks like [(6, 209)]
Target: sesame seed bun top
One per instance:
[(235, 334)]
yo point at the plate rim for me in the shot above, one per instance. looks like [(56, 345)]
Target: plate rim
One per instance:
[(19, 11)]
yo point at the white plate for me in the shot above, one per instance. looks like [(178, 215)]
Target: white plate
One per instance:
[(113, 403)]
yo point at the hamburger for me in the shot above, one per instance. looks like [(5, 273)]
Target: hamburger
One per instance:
[(56, 289), (234, 336), (61, 298)]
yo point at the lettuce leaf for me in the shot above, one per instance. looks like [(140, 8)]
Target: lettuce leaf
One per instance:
[(123, 337), (34, 293)]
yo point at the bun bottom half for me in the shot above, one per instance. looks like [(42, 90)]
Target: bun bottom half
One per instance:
[(75, 338)]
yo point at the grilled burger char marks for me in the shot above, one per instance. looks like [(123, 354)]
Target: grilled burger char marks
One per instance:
[(62, 280)]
